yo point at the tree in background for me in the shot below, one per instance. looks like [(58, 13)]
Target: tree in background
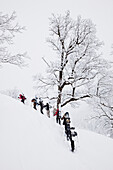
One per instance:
[(74, 70), (8, 29), (14, 93), (102, 102)]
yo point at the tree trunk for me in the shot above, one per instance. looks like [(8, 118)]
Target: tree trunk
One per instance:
[(59, 89)]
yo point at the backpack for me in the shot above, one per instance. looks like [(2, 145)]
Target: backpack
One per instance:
[(68, 120), (33, 100)]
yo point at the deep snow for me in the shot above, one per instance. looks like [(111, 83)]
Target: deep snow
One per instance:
[(32, 141)]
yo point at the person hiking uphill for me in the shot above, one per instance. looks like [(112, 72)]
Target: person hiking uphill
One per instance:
[(58, 116), (34, 100), (47, 109), (54, 110), (69, 130), (41, 105), (66, 123), (22, 97)]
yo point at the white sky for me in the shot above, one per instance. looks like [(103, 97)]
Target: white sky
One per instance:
[(34, 14)]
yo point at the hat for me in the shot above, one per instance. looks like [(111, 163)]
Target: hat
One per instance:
[(67, 113)]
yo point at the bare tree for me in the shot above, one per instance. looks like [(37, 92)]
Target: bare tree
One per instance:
[(102, 101), (77, 62), (8, 30)]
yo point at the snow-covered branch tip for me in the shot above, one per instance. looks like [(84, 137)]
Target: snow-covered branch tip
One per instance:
[(8, 29)]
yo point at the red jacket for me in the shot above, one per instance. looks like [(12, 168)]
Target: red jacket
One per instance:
[(56, 112), (21, 97)]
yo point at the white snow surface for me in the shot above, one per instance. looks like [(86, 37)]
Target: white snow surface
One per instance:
[(32, 141)]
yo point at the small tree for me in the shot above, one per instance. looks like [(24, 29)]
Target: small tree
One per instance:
[(8, 29), (77, 63), (11, 92)]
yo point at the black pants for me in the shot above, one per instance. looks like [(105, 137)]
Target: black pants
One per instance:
[(22, 100), (41, 110), (34, 106), (72, 145), (58, 119)]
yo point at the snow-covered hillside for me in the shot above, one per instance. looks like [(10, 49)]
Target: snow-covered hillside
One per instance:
[(32, 141)]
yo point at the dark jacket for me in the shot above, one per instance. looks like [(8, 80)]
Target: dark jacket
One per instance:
[(47, 106)]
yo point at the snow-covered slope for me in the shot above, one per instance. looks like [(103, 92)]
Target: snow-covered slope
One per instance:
[(32, 141)]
